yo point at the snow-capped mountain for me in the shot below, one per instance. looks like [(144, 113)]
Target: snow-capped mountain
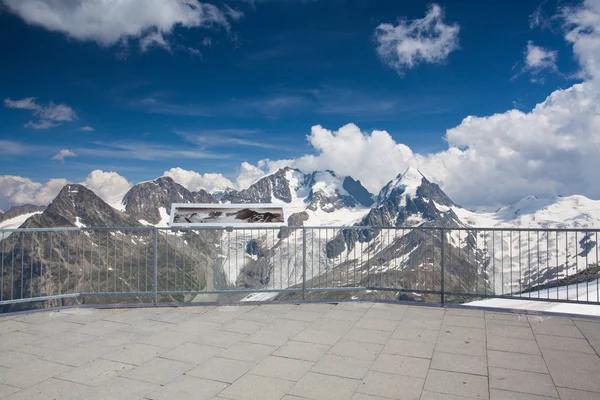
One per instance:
[(16, 215), (150, 202)]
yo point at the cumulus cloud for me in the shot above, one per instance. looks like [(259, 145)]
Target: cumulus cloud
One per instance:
[(16, 190), (50, 114), (411, 42), (108, 22), (538, 59), (582, 26), (61, 155), (109, 186), (248, 173), (195, 181)]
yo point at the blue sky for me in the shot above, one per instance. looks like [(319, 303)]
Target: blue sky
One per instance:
[(253, 87)]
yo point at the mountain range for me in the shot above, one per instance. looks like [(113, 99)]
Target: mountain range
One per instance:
[(377, 247)]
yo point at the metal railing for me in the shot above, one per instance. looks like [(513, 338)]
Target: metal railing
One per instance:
[(147, 264)]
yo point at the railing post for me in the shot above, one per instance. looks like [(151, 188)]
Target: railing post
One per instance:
[(155, 299), (442, 265), (303, 263)]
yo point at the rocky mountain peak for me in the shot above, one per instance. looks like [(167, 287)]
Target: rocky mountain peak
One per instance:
[(15, 211), (151, 201)]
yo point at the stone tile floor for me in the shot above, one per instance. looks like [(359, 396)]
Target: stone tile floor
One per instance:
[(360, 351)]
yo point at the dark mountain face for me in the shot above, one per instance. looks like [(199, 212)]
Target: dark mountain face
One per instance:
[(144, 200), (274, 186), (76, 205), (15, 211), (358, 191)]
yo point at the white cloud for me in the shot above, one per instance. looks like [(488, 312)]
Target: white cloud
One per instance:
[(19, 190), (61, 155), (248, 174), (194, 181), (109, 186), (582, 26), (86, 128), (50, 114), (538, 59), (108, 22), (409, 43)]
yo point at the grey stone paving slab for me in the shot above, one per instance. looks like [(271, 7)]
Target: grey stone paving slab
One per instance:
[(401, 365), (575, 379), (119, 388), (12, 340), (512, 345), (320, 337), (417, 323), (135, 353), (302, 350), (386, 312), (441, 396), (194, 326), (29, 374), (522, 381), (192, 352), (10, 325), (77, 356), (324, 387), (496, 394), (409, 348), (475, 365), (221, 369), (302, 315), (287, 325), (564, 343), (509, 331), (465, 312), (386, 325), (282, 368), (252, 387), (218, 338), (51, 328), (468, 322), (12, 359), (458, 384), (459, 346), (391, 386), (95, 372), (571, 360), (260, 314), (419, 335), (99, 328), (345, 367), (270, 337), (518, 361), (244, 351), (242, 326), (332, 325), (574, 394), (360, 350), (352, 316), (187, 388), (50, 389), (166, 339), (462, 333), (159, 370), (367, 335), (6, 390), (556, 330)]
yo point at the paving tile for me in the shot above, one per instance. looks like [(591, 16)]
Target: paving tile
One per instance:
[(522, 362), (345, 367), (195, 326), (302, 350), (465, 312), (96, 372), (51, 328), (393, 312), (512, 345), (367, 335), (63, 342), (14, 339), (357, 306), (6, 390), (391, 386), (301, 315), (441, 396), (135, 353), (282, 368), (50, 389), (520, 319), (221, 369), (580, 379), (564, 343), (332, 325), (167, 339), (12, 359), (277, 309), (571, 360), (29, 374), (432, 313), (119, 388), (508, 331), (287, 325), (259, 314), (457, 384), (10, 325), (418, 335), (252, 387), (147, 327), (462, 333), (417, 323), (316, 307), (409, 348), (556, 330), (469, 322), (362, 396), (99, 328), (187, 387), (192, 353), (496, 394), (77, 356), (159, 370), (319, 337), (360, 350), (218, 338), (522, 381), (574, 394), (590, 329), (340, 315), (225, 313), (458, 346), (549, 320), (242, 326), (269, 337), (177, 316), (401, 365), (376, 324), (324, 387), (252, 352), (475, 365)]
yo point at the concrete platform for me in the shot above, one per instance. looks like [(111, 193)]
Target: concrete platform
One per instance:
[(359, 351)]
